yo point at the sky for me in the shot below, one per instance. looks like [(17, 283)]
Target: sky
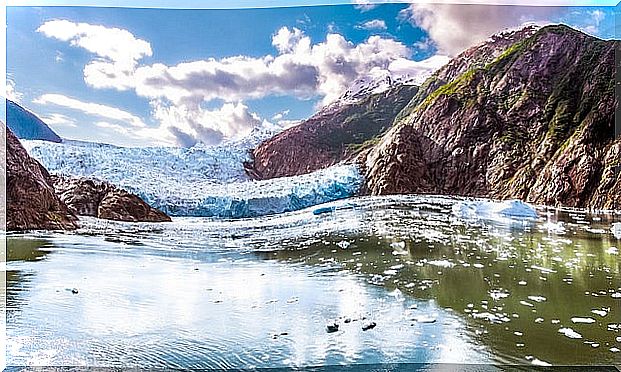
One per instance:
[(178, 77)]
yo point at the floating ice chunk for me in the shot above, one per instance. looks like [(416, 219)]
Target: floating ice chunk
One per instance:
[(582, 320), (537, 298), (343, 244), (616, 230), (568, 332), (425, 319), (539, 362), (397, 245), (498, 294), (491, 210), (441, 263)]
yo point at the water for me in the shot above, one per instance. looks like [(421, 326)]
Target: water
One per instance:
[(208, 293)]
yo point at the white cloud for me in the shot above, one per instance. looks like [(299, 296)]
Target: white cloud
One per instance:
[(364, 5), (115, 127), (593, 20), (454, 28), (280, 115), (191, 124), (178, 93), (374, 24), (11, 93), (59, 120), (89, 108), (418, 71), (301, 69), (118, 51)]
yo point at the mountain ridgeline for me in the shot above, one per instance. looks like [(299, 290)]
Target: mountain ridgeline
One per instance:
[(527, 115), (336, 133), (26, 125)]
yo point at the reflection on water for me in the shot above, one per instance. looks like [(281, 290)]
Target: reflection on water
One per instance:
[(259, 292)]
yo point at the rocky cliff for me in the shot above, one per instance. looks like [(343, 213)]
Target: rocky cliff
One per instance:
[(31, 201), (535, 122), (335, 133), (89, 197)]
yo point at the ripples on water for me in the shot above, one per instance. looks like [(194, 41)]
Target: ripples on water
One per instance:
[(258, 292)]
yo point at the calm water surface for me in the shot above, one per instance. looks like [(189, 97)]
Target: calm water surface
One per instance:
[(204, 293)]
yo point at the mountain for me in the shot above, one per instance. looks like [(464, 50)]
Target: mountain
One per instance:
[(26, 125), (356, 120), (335, 133), (534, 122), (31, 201)]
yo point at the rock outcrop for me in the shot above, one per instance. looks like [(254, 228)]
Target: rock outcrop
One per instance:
[(336, 133), (31, 201), (89, 197), (535, 122)]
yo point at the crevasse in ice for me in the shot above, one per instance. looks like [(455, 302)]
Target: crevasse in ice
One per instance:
[(197, 181)]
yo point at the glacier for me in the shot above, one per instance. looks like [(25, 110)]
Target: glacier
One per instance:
[(201, 181)]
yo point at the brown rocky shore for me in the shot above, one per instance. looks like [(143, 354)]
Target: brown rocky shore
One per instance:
[(37, 200)]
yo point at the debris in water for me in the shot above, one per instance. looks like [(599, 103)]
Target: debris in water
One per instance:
[(367, 326), (74, 290), (332, 327)]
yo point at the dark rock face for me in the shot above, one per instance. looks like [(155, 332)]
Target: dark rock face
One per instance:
[(334, 134), (26, 125), (534, 123), (88, 197), (31, 201)]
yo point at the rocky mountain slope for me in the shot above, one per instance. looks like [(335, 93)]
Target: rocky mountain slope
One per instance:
[(89, 197), (31, 201), (335, 133), (535, 122), (26, 125)]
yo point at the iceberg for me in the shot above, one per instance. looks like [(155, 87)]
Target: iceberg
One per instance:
[(615, 229), (492, 210), (200, 181)]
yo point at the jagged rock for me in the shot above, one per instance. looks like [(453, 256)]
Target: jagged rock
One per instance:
[(89, 197), (335, 133), (534, 123), (31, 201)]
